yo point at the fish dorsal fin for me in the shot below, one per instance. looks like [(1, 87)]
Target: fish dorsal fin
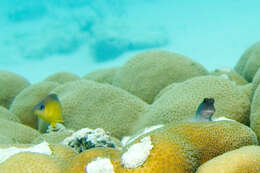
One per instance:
[(205, 110)]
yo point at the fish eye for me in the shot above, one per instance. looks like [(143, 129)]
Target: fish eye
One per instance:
[(42, 107)]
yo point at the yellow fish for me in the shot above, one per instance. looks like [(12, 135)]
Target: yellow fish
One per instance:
[(49, 109)]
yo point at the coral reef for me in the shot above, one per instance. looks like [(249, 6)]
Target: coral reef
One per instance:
[(18, 132), (255, 113), (145, 74), (245, 159), (95, 105), (25, 101), (62, 77), (11, 84), (214, 138), (180, 103), (166, 152), (86, 138), (102, 75), (230, 74), (7, 115), (82, 160), (53, 137), (249, 62), (255, 82)]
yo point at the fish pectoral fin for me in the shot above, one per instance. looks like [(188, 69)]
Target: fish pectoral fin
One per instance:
[(53, 124)]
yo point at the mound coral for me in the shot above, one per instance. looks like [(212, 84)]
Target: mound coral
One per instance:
[(29, 162), (102, 75), (255, 82), (5, 140), (180, 103), (18, 132), (11, 84), (214, 138), (24, 102), (247, 89), (7, 115), (245, 159), (95, 105), (255, 113), (62, 77), (81, 162), (249, 62), (53, 137), (147, 73), (160, 152), (230, 74)]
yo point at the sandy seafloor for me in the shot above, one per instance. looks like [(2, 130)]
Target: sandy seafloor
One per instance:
[(38, 38)]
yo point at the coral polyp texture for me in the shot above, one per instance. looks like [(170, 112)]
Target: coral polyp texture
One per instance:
[(214, 138), (25, 101), (160, 152), (230, 74), (255, 82), (11, 84), (102, 75), (245, 159), (83, 162), (95, 105), (145, 74), (62, 77), (255, 113), (19, 133), (249, 62), (180, 103), (7, 115)]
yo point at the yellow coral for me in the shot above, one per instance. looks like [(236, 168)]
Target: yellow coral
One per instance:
[(245, 159), (79, 163), (214, 138)]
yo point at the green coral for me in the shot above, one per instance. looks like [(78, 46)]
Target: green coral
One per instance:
[(95, 105), (18, 132), (247, 89), (255, 112), (245, 159), (102, 75), (11, 84), (249, 62), (62, 77), (24, 102), (6, 140), (255, 82), (181, 102), (7, 115), (230, 74), (53, 137), (147, 73)]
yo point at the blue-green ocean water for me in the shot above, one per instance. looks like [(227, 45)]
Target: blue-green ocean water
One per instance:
[(38, 38)]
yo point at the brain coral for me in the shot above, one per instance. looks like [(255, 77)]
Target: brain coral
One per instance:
[(245, 159), (255, 113), (147, 73), (6, 140), (62, 77), (6, 114), (230, 74), (249, 62), (95, 105), (79, 163), (214, 138), (18, 132), (53, 137), (256, 82), (169, 153), (29, 162), (24, 102), (180, 102), (102, 75), (10, 85)]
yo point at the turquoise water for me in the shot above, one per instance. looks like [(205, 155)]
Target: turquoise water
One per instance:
[(38, 38)]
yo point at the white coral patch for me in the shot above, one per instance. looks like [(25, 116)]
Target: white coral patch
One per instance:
[(100, 165), (137, 154), (225, 76), (222, 119), (143, 132), (42, 148)]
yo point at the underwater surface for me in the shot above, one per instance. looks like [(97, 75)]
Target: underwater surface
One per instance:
[(137, 86), (40, 37)]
